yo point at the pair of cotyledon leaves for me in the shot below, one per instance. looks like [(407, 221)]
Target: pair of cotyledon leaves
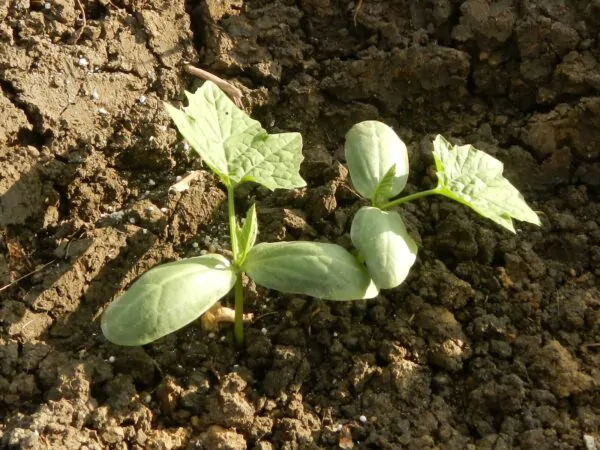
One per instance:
[(238, 149)]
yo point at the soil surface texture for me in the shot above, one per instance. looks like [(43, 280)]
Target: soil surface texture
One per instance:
[(493, 342)]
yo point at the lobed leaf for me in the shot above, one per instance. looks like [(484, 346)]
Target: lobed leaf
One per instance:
[(474, 178), (372, 149), (234, 145), (326, 271), (166, 298), (388, 250)]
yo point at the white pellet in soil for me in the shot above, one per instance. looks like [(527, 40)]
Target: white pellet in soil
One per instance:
[(103, 111), (132, 220), (263, 330), (142, 99), (151, 182), (82, 62), (363, 419), (111, 359), (164, 210)]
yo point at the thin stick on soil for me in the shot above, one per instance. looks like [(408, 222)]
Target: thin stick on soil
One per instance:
[(26, 275), (356, 11), (80, 32), (233, 92)]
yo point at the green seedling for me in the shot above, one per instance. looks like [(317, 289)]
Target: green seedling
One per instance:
[(378, 164), (238, 150)]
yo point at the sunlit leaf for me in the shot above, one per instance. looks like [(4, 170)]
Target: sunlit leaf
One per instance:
[(234, 145), (372, 148), (387, 248), (166, 298), (474, 178), (326, 271)]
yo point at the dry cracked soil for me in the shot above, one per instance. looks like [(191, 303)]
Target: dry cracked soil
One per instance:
[(492, 343)]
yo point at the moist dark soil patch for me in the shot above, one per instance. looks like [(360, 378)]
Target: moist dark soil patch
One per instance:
[(492, 343)]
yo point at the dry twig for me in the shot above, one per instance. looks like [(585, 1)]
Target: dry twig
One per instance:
[(84, 20), (234, 93)]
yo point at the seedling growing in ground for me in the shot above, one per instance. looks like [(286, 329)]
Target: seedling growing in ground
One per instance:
[(237, 149), (378, 164)]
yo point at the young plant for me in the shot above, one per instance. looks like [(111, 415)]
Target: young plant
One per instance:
[(237, 149), (378, 164)]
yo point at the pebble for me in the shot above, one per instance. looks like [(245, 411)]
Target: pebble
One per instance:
[(95, 95), (82, 62), (363, 419), (142, 99), (164, 210), (111, 359), (151, 182), (103, 111), (132, 220), (263, 330)]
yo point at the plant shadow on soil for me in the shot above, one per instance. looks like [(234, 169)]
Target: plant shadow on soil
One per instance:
[(491, 342)]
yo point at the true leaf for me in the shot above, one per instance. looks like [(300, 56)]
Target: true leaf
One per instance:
[(248, 232), (234, 145), (326, 271), (384, 189), (387, 248), (474, 178), (166, 298), (372, 148)]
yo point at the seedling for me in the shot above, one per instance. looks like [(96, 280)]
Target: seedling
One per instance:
[(238, 150), (378, 164)]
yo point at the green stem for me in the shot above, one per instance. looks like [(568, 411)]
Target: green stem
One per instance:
[(238, 326), (410, 198)]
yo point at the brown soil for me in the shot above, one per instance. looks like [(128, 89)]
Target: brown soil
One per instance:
[(492, 343)]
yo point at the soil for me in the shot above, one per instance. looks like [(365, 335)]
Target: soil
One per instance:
[(492, 343)]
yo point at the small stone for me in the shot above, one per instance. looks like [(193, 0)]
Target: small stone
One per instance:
[(142, 99), (164, 210), (111, 359), (148, 398), (263, 330), (95, 95), (338, 427), (151, 182), (132, 220), (47, 5), (81, 61), (178, 178), (363, 419), (103, 111)]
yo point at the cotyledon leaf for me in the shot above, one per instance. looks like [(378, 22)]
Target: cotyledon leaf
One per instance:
[(387, 248), (321, 270), (474, 178), (166, 298), (235, 146), (372, 148)]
